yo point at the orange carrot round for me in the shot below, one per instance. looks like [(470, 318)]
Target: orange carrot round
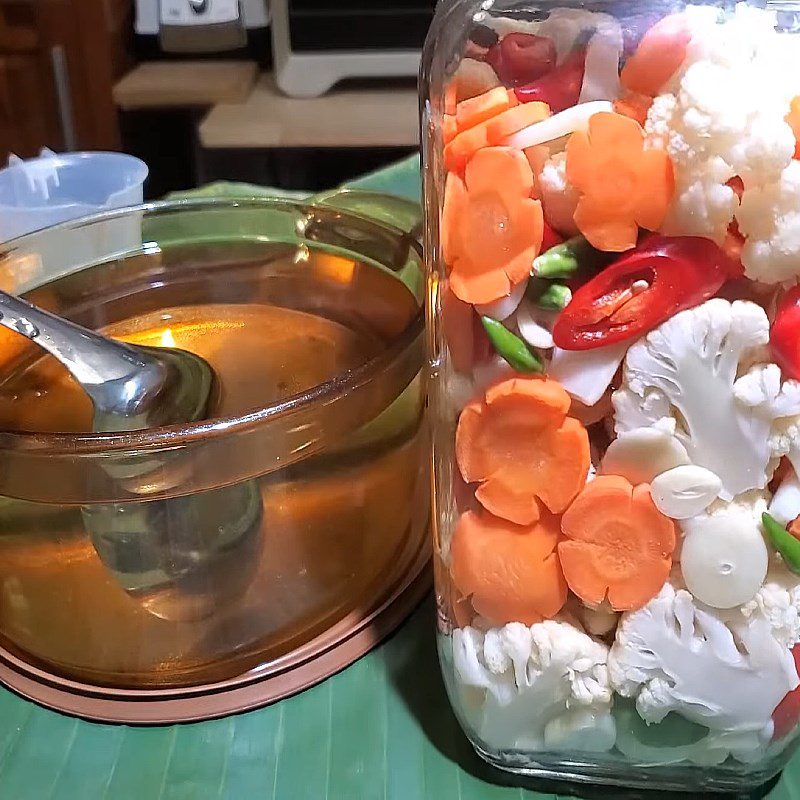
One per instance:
[(511, 572), (514, 120), (660, 53), (521, 447), (472, 112), (621, 185), (493, 229), (618, 544)]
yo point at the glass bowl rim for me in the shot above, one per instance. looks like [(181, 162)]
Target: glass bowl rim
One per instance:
[(172, 436)]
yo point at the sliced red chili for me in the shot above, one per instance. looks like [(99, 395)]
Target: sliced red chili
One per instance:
[(784, 338), (559, 88), (521, 57), (662, 276)]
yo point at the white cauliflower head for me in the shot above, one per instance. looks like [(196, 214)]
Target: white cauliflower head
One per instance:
[(778, 601), (687, 369), (529, 677), (769, 217), (725, 115), (675, 654)]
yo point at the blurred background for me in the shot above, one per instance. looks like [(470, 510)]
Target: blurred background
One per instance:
[(296, 94)]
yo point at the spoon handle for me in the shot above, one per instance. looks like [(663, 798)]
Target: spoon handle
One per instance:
[(92, 359)]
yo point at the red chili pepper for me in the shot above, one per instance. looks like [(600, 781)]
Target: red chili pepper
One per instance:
[(559, 88), (550, 238), (784, 338), (521, 57), (787, 713), (662, 276)]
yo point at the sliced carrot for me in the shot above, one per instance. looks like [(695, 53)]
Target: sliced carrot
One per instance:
[(458, 330), (513, 100), (520, 446), (634, 105), (660, 53), (619, 545), (450, 97), (449, 129), (514, 120), (450, 600), (511, 572), (621, 185), (493, 238), (453, 208), (463, 146), (472, 112), (793, 118)]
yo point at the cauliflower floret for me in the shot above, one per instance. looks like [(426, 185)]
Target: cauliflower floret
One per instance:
[(725, 115), (769, 217), (778, 601), (687, 369), (530, 677), (677, 655), (559, 198)]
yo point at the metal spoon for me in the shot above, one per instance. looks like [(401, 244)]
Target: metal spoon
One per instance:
[(131, 386), (182, 558)]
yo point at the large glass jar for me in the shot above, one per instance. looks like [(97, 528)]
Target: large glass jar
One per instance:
[(613, 242)]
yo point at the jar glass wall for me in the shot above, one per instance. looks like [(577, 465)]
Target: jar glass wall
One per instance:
[(613, 246)]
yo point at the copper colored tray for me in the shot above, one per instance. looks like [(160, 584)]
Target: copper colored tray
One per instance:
[(321, 657)]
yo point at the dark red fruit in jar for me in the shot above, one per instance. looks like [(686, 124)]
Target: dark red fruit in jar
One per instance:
[(787, 713), (784, 338), (660, 277), (521, 57), (559, 88)]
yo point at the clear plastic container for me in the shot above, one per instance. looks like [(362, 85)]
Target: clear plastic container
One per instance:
[(612, 237), (54, 188)]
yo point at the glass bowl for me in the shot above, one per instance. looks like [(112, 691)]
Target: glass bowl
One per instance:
[(212, 566)]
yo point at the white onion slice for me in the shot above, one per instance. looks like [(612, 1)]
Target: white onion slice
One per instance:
[(504, 307), (601, 73), (535, 325), (586, 374), (565, 122)]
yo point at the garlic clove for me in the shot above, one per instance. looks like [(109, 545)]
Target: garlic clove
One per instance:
[(643, 453), (685, 491)]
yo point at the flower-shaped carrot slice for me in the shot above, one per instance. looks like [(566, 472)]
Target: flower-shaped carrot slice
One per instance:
[(491, 228), (519, 444), (511, 572), (618, 544), (622, 186)]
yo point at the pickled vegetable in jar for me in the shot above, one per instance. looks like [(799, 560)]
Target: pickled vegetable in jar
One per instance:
[(613, 242)]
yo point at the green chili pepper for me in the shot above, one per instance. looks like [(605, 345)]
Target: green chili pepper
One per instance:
[(548, 294), (568, 258), (511, 347), (783, 542)]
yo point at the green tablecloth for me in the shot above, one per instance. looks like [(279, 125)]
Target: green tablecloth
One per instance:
[(379, 730)]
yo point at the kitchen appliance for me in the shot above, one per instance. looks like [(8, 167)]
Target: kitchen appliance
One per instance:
[(316, 43), (199, 26)]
